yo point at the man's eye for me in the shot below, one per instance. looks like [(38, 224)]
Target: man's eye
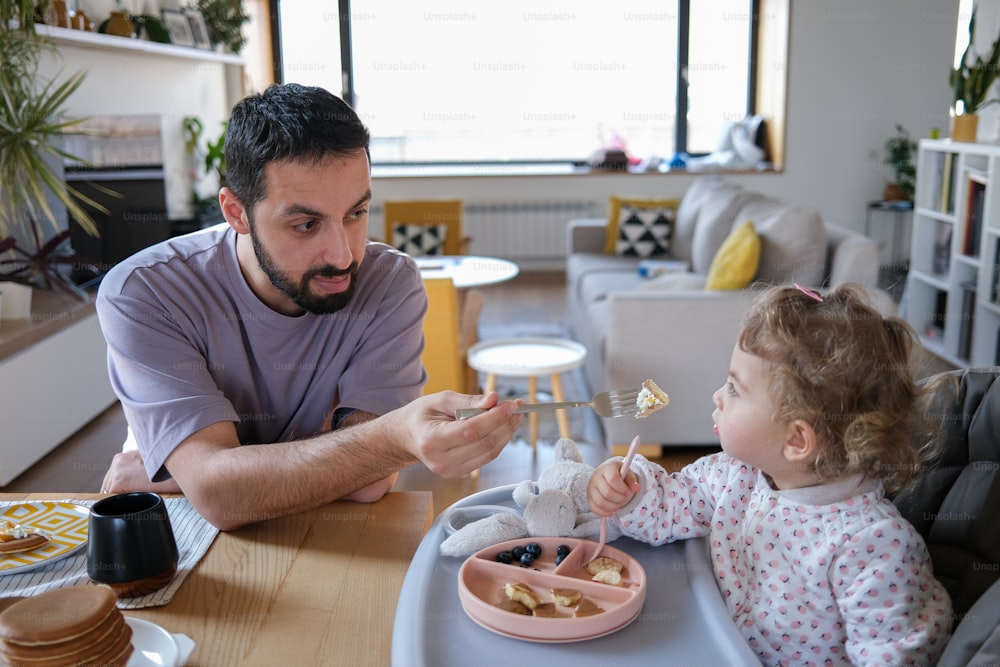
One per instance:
[(306, 226)]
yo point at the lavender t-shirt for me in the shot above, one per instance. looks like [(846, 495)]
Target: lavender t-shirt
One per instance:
[(190, 345)]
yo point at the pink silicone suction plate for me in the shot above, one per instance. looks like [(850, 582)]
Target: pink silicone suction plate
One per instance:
[(481, 582)]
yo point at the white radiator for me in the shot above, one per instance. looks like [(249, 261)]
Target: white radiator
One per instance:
[(528, 230), (531, 233)]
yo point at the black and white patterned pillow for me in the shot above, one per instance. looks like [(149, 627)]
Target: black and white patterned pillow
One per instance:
[(419, 240), (644, 232)]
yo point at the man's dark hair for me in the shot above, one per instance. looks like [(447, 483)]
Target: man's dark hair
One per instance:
[(286, 122)]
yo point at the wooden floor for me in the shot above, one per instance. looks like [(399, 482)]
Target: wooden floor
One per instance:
[(79, 464)]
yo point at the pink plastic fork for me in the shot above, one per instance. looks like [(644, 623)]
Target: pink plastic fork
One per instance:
[(604, 520)]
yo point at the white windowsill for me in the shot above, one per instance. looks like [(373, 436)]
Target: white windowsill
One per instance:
[(529, 169)]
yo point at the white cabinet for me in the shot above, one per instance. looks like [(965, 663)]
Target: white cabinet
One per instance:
[(953, 287), (55, 380)]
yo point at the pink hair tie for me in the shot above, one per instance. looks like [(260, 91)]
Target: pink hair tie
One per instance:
[(808, 293)]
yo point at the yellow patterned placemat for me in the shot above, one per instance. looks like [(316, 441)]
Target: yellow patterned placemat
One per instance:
[(193, 533), (64, 523)]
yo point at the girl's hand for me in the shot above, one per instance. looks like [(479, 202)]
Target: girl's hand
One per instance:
[(607, 492)]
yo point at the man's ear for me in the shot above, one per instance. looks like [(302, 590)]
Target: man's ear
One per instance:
[(233, 211), (800, 444)]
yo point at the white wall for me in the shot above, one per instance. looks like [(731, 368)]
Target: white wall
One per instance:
[(857, 67)]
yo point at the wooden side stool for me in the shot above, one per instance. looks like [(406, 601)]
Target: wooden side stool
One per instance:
[(529, 357)]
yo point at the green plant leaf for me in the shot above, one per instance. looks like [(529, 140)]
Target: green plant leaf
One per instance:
[(32, 124)]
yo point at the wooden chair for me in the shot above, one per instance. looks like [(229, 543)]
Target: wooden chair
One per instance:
[(448, 334), (429, 213)]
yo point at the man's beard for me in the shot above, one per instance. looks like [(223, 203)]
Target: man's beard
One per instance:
[(300, 293)]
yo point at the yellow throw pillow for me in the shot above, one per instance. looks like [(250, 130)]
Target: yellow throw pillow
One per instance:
[(735, 264), (657, 215)]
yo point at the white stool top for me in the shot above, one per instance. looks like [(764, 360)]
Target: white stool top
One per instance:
[(525, 357)]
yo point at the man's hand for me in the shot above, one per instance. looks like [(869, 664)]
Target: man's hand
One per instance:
[(452, 448), (128, 474)]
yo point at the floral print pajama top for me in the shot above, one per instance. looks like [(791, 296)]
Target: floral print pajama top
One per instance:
[(824, 575)]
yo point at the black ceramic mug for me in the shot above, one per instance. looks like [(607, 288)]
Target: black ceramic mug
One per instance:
[(131, 545)]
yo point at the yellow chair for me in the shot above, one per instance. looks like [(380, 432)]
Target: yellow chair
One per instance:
[(448, 334), (406, 217)]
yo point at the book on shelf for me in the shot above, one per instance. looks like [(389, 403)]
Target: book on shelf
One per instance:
[(946, 203), (995, 276), (968, 316), (935, 325), (975, 197), (941, 253), (938, 181)]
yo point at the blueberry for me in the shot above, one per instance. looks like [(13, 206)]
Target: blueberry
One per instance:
[(527, 560), (560, 558), (562, 549), (518, 551), (505, 557), (534, 548)]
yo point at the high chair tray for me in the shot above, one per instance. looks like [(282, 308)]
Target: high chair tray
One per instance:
[(683, 619)]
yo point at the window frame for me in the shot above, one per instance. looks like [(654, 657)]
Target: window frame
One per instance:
[(754, 63)]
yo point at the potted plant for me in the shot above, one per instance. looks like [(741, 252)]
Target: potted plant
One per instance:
[(212, 159), (224, 20), (971, 82), (33, 123), (899, 151)]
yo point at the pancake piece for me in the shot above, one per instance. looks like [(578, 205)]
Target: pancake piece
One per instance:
[(567, 597), (545, 610), (587, 608), (15, 538), (522, 593), (604, 563), (651, 398), (513, 606)]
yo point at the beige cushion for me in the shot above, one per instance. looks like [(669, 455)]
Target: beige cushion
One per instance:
[(735, 264), (697, 193), (792, 242), (715, 220)]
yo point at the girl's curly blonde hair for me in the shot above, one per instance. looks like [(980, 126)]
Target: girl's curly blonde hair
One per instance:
[(845, 369)]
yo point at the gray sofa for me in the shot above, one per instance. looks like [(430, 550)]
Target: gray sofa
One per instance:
[(673, 330)]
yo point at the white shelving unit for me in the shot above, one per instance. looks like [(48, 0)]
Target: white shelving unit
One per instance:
[(953, 287)]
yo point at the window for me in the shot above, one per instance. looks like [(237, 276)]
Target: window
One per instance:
[(448, 81)]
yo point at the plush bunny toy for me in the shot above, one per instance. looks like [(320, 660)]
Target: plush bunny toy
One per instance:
[(555, 506)]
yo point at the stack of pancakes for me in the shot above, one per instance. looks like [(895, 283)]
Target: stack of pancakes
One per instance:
[(79, 625)]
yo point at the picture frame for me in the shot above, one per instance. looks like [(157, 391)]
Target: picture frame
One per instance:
[(199, 30), (178, 26)]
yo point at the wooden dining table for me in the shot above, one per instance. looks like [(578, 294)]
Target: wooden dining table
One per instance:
[(315, 588)]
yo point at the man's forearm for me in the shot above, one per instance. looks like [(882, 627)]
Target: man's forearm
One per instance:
[(235, 486)]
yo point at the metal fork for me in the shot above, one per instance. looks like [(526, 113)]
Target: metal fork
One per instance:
[(614, 403)]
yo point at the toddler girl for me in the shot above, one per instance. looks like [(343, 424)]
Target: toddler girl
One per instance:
[(819, 419)]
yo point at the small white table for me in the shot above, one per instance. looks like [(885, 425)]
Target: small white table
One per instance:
[(467, 270), (529, 357)]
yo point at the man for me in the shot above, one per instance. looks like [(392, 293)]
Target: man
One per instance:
[(284, 325)]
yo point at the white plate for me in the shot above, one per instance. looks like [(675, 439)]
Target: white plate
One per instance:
[(153, 646)]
